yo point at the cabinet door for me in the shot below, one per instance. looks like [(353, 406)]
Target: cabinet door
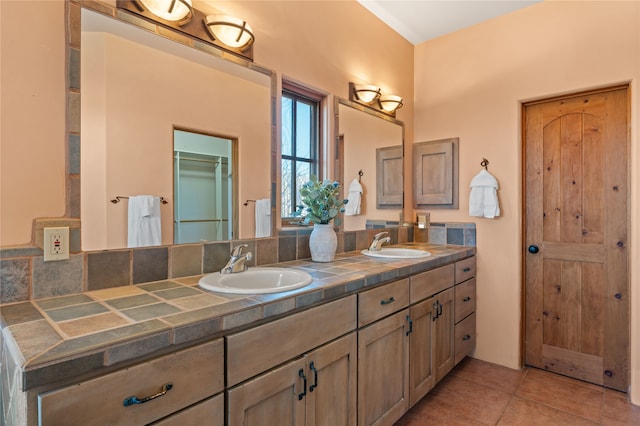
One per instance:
[(383, 370), (435, 173), (332, 374), (444, 355), (275, 398), (421, 377)]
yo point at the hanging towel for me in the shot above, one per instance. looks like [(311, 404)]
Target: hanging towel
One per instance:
[(144, 224), (263, 218), (352, 208), (483, 200)]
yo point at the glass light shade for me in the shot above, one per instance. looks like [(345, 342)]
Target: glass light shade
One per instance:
[(179, 11), (390, 103), (366, 93), (231, 31)]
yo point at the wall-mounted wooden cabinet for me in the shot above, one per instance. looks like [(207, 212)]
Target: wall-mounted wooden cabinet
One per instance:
[(435, 174), (389, 177)]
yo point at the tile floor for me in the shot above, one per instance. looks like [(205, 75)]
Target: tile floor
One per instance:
[(480, 393)]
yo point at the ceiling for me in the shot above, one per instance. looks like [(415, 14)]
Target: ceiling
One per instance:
[(422, 20)]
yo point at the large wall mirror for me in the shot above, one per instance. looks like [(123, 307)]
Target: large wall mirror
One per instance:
[(137, 89), (363, 137)]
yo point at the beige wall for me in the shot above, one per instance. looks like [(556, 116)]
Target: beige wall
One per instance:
[(32, 113), (322, 44), (471, 84)]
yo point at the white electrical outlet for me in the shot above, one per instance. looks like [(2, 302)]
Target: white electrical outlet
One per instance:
[(56, 243)]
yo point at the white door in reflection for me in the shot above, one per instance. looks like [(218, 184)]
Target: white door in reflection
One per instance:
[(203, 187)]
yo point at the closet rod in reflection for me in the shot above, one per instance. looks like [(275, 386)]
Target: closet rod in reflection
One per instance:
[(201, 160), (120, 197)]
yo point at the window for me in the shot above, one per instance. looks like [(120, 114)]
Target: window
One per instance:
[(300, 135)]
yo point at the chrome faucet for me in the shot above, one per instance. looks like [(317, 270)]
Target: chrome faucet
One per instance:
[(238, 260), (378, 241)]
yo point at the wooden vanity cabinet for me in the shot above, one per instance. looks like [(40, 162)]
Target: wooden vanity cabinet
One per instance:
[(314, 380), (194, 375), (364, 359)]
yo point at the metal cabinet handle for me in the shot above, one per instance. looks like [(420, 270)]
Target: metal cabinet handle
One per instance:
[(466, 299), (132, 400), (466, 337), (439, 308), (466, 269), (387, 301), (533, 249), (304, 381), (410, 325), (315, 377), (435, 311)]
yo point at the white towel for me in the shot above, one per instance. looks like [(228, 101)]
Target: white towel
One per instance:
[(352, 208), (483, 200), (144, 224), (263, 218)]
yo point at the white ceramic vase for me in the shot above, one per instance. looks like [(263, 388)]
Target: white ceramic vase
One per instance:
[(323, 243)]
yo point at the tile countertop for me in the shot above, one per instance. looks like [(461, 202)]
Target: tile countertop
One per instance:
[(64, 337)]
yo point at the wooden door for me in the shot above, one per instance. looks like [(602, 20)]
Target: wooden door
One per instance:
[(421, 376), (576, 236), (276, 397), (332, 374), (383, 371)]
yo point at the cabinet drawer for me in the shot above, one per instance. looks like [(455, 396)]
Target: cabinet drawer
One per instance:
[(195, 374), (465, 339), (465, 295), (431, 282), (209, 412), (382, 301), (465, 269), (256, 350)]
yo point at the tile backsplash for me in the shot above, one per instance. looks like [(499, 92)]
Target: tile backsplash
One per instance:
[(459, 233), (24, 275)]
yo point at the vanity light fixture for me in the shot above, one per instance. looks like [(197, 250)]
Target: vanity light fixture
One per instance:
[(371, 97), (230, 31), (178, 11), (226, 33), (366, 93), (390, 103)]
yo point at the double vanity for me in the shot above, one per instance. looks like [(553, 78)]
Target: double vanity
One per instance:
[(361, 343)]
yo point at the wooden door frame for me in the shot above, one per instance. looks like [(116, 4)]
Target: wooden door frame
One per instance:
[(523, 171)]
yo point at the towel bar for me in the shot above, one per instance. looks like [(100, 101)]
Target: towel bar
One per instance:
[(120, 197)]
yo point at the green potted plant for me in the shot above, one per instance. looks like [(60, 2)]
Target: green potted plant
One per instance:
[(321, 204)]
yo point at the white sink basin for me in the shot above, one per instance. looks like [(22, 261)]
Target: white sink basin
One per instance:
[(397, 253), (256, 281)]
